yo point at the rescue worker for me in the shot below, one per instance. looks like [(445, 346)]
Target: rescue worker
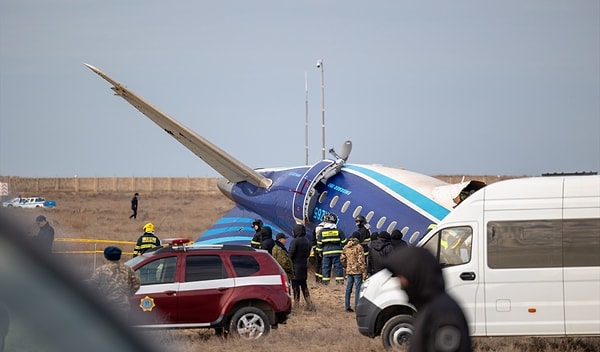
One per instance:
[(146, 241), (330, 241), (317, 254), (364, 234), (259, 228), (440, 324)]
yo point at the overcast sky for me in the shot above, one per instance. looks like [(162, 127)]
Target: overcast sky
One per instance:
[(444, 87)]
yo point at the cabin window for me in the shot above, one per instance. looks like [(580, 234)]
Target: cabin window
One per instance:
[(414, 237), (322, 197), (345, 206), (392, 226), (381, 222), (334, 201), (357, 211), (369, 216)]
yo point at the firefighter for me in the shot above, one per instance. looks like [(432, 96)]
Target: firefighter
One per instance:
[(146, 241), (330, 242)]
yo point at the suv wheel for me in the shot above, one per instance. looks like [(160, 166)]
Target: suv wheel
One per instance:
[(250, 323), (397, 331)]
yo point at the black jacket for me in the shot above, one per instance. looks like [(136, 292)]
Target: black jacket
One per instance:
[(440, 324), (266, 241), (299, 252), (45, 238), (380, 248)]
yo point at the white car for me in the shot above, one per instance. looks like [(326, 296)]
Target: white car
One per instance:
[(11, 203), (35, 202)]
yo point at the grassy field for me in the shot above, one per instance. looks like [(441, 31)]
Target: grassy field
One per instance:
[(330, 328)]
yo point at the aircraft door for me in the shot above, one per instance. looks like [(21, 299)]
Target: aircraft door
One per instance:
[(305, 192)]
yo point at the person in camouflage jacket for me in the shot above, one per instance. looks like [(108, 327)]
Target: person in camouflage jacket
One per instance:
[(353, 260), (282, 256), (115, 281)]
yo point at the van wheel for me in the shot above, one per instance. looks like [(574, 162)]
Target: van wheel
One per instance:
[(250, 323), (397, 331)]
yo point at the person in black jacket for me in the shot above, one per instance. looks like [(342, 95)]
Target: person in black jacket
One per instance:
[(440, 324), (266, 241), (299, 251), (45, 236), (380, 248), (261, 232), (397, 240), (134, 206)]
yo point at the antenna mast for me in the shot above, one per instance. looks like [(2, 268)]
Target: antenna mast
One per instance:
[(320, 66), (306, 113)]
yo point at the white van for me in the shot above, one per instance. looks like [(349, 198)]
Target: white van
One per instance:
[(522, 257)]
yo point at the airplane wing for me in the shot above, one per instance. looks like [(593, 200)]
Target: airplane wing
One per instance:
[(226, 165)]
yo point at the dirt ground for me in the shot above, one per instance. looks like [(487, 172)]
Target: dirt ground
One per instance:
[(330, 328)]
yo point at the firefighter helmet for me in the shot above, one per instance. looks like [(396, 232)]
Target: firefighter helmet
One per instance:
[(330, 218), (149, 227)]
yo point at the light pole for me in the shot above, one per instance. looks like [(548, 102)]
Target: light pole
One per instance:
[(320, 66)]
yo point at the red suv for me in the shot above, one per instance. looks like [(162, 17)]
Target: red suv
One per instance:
[(236, 290)]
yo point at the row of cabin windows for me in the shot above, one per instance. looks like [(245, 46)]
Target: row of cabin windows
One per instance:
[(378, 225)]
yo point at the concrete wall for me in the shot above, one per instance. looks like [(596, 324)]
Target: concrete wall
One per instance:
[(32, 186), (29, 186)]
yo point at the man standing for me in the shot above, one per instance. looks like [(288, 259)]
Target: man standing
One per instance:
[(299, 252), (440, 324), (330, 241), (146, 241), (282, 256), (353, 259), (45, 236), (115, 281), (134, 206)]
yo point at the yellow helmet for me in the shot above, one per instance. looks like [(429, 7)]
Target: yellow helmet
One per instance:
[(149, 227)]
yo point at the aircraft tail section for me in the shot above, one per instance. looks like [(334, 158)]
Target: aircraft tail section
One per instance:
[(226, 165), (235, 227)]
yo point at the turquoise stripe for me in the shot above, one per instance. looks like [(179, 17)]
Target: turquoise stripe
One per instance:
[(434, 209), (224, 240)]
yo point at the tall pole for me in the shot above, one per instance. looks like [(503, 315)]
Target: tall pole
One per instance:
[(306, 117), (320, 66)]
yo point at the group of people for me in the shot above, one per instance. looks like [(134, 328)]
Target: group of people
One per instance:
[(294, 260), (440, 324)]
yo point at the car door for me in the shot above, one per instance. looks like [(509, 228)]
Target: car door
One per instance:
[(156, 300), (456, 248), (206, 285)]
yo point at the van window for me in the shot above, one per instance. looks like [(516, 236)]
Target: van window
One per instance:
[(581, 242), (524, 244), (452, 246), (541, 243)]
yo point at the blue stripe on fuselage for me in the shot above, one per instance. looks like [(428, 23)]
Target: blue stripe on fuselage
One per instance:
[(421, 201)]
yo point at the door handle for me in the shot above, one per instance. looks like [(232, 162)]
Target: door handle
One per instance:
[(170, 292), (468, 276)]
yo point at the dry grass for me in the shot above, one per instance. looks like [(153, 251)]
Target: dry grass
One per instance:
[(330, 328)]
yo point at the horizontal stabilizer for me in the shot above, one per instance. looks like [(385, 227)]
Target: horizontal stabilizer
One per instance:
[(226, 165)]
